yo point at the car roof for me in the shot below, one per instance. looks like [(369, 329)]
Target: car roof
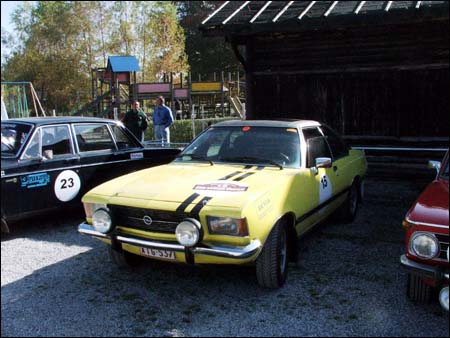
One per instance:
[(269, 123), (57, 120)]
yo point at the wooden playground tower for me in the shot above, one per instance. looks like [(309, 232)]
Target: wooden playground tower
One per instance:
[(114, 88)]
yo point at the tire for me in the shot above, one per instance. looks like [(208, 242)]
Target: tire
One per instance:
[(272, 263), (347, 212), (417, 290), (123, 259)]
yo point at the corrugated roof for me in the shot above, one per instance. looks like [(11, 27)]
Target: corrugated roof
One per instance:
[(123, 64), (253, 15)]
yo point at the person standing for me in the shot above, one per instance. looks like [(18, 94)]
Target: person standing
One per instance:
[(136, 121), (162, 120)]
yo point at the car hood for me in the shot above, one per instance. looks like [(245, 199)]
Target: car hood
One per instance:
[(225, 185), (432, 205)]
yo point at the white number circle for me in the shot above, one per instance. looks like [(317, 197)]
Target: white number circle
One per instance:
[(325, 188), (67, 185)]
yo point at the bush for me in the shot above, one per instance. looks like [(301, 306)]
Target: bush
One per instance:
[(181, 130)]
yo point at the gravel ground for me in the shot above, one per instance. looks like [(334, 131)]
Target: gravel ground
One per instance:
[(56, 282)]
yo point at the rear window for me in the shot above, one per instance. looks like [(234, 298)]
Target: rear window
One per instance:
[(93, 137)]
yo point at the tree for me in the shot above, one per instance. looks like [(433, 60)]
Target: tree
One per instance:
[(205, 55)]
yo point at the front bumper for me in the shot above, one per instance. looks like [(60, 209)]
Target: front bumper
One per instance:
[(433, 272), (216, 251)]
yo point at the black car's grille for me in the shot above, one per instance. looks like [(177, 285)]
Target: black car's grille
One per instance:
[(157, 220), (443, 241)]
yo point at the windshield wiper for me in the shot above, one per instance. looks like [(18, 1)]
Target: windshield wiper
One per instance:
[(197, 157), (247, 159)]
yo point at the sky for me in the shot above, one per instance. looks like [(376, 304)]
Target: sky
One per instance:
[(7, 8)]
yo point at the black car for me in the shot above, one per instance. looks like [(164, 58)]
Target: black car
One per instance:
[(48, 162)]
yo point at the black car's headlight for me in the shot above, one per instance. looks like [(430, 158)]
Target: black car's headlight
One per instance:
[(227, 226)]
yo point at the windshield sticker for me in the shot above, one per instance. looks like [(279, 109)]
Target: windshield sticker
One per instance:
[(135, 156), (67, 185), (34, 180)]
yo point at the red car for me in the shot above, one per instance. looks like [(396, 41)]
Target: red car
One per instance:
[(427, 253)]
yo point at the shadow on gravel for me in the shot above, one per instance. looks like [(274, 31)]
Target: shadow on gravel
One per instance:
[(349, 284)]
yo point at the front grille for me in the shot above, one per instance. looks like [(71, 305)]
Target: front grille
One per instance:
[(443, 241), (162, 221)]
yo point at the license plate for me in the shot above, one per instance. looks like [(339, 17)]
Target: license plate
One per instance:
[(157, 253)]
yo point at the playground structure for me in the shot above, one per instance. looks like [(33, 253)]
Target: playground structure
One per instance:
[(15, 100), (114, 88)]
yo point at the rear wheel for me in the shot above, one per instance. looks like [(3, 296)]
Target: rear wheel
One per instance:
[(347, 211), (123, 259), (271, 265), (417, 290)]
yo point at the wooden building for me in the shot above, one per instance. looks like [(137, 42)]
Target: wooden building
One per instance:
[(376, 71)]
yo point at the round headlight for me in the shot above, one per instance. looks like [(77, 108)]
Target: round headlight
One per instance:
[(424, 245), (101, 220), (188, 232)]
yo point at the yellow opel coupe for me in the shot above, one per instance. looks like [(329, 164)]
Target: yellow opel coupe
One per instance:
[(241, 193)]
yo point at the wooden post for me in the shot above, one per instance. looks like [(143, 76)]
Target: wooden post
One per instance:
[(171, 92), (189, 92), (222, 93)]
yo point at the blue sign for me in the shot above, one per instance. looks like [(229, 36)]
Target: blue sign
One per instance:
[(34, 180)]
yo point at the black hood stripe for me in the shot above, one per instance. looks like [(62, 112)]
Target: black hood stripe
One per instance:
[(230, 176), (240, 178), (187, 202), (196, 210)]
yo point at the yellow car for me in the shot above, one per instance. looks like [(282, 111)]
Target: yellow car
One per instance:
[(240, 193)]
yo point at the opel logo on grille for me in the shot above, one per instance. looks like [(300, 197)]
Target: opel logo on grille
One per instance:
[(147, 220)]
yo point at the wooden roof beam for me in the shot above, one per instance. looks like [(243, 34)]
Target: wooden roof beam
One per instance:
[(361, 4), (306, 10), (282, 11), (388, 5), (215, 12), (260, 11), (331, 8), (235, 12)]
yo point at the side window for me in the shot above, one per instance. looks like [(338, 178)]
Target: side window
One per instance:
[(337, 145), (316, 146), (57, 140), (122, 139), (93, 137)]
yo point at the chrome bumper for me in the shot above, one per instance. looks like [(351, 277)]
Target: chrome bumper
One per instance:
[(226, 252), (423, 269)]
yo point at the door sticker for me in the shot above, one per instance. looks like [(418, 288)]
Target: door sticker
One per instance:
[(325, 188), (67, 185), (34, 180), (135, 156)]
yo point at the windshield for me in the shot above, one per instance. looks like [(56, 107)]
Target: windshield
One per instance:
[(248, 145), (14, 136)]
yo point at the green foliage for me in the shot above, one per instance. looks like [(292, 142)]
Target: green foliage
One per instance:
[(181, 130)]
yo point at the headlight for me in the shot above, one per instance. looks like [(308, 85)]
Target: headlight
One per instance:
[(89, 208), (424, 245), (101, 220), (227, 226), (188, 232)]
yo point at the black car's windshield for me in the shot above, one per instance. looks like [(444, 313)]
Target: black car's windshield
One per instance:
[(248, 145), (14, 136)]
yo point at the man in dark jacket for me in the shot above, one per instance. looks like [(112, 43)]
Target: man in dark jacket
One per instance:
[(136, 121)]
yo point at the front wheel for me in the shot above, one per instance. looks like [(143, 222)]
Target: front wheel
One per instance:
[(123, 259), (271, 265), (417, 290)]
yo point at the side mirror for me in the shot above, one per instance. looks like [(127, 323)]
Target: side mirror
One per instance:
[(323, 162), (434, 165)]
